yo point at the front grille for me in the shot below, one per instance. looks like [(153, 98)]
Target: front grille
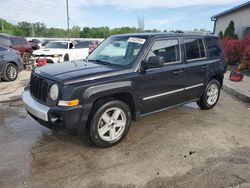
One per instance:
[(39, 87)]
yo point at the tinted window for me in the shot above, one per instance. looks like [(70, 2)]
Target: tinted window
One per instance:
[(45, 42), (194, 49), (4, 41), (214, 48), (16, 41), (84, 44), (24, 42), (169, 49), (2, 49), (60, 45)]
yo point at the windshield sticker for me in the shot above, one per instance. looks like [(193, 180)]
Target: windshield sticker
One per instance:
[(136, 40)]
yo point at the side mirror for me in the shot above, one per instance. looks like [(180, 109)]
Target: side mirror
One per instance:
[(153, 62)]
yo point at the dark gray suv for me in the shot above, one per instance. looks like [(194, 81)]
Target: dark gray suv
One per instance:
[(124, 78), (10, 63)]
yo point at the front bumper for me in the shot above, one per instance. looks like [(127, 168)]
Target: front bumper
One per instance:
[(54, 117), (49, 59), (33, 107)]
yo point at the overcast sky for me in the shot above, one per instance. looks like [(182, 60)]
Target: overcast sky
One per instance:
[(159, 14)]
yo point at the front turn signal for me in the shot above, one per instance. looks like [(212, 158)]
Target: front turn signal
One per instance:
[(70, 103)]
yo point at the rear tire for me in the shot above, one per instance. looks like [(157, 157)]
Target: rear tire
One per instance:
[(66, 57), (109, 123), (10, 72), (210, 96)]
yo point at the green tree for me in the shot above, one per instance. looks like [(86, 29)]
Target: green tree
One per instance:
[(221, 34), (230, 30), (39, 29), (74, 32), (7, 27), (23, 29)]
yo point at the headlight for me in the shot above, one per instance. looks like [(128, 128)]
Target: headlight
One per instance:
[(54, 92)]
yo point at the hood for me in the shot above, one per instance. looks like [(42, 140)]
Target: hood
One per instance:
[(49, 51), (76, 71)]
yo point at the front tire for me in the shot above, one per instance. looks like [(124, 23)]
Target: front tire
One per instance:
[(110, 123), (210, 96), (10, 72)]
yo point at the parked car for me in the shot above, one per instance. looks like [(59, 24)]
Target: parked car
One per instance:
[(34, 44), (93, 45), (90, 45), (17, 43), (125, 78), (42, 44), (10, 63), (59, 51)]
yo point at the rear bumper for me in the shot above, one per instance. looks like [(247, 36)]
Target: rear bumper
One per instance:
[(54, 117)]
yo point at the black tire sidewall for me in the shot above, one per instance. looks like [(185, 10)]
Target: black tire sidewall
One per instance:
[(203, 102), (66, 57), (6, 76), (95, 120)]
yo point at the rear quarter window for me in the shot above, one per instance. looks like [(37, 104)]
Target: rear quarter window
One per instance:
[(214, 48), (194, 48)]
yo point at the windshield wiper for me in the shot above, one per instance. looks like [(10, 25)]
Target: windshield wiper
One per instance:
[(99, 61)]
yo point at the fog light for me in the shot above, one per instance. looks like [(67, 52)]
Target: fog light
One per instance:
[(55, 118)]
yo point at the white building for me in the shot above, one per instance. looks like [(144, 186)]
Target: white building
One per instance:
[(241, 17)]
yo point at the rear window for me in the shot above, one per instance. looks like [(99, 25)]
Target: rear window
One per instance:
[(84, 44), (4, 41), (24, 42), (194, 49), (214, 48)]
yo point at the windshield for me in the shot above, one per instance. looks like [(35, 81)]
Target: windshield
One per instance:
[(117, 50), (61, 45)]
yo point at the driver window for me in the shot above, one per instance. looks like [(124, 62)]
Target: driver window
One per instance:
[(169, 49)]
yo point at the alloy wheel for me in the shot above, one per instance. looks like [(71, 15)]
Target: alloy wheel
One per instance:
[(112, 124)]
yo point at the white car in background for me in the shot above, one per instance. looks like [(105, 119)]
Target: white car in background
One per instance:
[(60, 51)]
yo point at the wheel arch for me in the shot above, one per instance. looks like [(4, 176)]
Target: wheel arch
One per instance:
[(219, 78), (122, 91)]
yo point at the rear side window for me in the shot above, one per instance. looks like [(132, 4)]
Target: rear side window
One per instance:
[(4, 41), (214, 48), (169, 49), (194, 49)]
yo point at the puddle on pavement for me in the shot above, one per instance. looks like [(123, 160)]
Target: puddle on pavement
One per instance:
[(192, 105)]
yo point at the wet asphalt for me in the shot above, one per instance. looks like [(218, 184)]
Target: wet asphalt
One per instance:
[(180, 147)]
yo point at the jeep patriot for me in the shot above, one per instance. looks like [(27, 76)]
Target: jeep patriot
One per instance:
[(126, 77)]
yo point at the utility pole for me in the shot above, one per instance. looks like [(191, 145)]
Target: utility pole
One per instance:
[(141, 23), (33, 32), (2, 25), (67, 7)]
